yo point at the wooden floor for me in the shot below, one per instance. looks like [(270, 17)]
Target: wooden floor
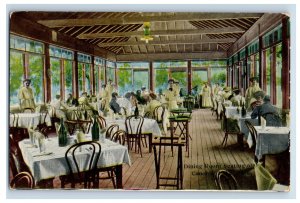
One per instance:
[(207, 156)]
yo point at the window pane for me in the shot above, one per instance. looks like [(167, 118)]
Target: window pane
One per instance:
[(111, 74), (55, 77), (140, 78), (97, 79), (36, 75), (68, 77), (268, 70), (16, 75), (124, 81), (278, 76), (199, 77), (80, 78), (181, 77), (161, 79), (20, 44), (218, 75), (88, 79)]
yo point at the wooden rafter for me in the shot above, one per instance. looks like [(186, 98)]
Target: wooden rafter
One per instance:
[(142, 19)]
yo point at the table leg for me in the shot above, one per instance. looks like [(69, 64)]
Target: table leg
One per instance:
[(119, 176), (150, 142), (172, 135)]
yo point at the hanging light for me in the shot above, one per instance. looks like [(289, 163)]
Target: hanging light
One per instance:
[(147, 37)]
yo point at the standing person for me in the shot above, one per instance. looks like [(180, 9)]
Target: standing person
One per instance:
[(206, 100), (254, 87), (176, 88), (216, 90), (170, 96), (26, 98)]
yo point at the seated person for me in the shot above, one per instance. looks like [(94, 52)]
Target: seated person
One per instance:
[(152, 104), (227, 93), (113, 103), (140, 99), (268, 111), (84, 102), (237, 99), (257, 99), (69, 99), (58, 108)]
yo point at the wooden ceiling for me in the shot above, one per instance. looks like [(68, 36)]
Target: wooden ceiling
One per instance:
[(175, 34)]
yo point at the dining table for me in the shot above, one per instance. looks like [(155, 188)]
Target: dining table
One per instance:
[(29, 120), (45, 166), (271, 140)]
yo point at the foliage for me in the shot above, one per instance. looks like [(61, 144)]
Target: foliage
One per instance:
[(161, 79), (35, 66), (16, 74)]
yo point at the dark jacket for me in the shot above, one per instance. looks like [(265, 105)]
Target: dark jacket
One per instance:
[(269, 112), (114, 105)]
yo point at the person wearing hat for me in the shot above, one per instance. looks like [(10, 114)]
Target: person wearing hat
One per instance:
[(254, 87), (267, 108), (152, 104), (26, 97), (227, 93), (206, 92), (171, 98), (176, 87), (237, 99), (145, 93)]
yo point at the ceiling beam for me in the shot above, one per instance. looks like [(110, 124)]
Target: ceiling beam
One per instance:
[(157, 17), (195, 41), (172, 56), (163, 32)]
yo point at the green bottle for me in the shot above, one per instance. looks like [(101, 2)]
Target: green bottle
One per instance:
[(95, 130), (62, 134)]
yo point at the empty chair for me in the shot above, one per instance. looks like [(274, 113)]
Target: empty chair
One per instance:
[(22, 180), (225, 180), (158, 115), (119, 136), (101, 121), (230, 127), (264, 179), (82, 167), (111, 130), (133, 126)]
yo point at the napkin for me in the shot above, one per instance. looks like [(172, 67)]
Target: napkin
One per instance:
[(263, 122)]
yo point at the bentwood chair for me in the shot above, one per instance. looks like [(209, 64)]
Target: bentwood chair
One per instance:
[(158, 115), (87, 175), (22, 180), (230, 127), (111, 130), (133, 126), (119, 136), (225, 180), (253, 134)]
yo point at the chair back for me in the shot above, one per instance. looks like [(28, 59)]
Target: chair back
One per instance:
[(273, 119), (74, 161), (252, 131), (102, 122), (22, 180), (134, 124), (158, 114), (225, 180), (119, 136), (264, 179), (111, 130)]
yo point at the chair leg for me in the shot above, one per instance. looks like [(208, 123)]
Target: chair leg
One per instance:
[(224, 143)]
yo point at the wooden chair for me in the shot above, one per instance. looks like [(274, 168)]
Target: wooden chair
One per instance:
[(231, 130), (225, 180), (111, 130), (102, 122), (76, 176), (22, 180), (119, 136), (253, 134), (134, 132), (31, 110)]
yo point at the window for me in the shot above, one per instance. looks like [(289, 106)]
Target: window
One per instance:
[(278, 76), (99, 73), (110, 71), (84, 73), (132, 76), (16, 65), (199, 77), (161, 76), (61, 63), (24, 51)]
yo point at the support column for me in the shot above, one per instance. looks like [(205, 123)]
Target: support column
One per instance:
[(285, 74), (75, 76), (262, 62), (92, 76), (151, 76), (47, 74), (189, 76)]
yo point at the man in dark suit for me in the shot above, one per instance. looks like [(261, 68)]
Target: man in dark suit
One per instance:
[(268, 111)]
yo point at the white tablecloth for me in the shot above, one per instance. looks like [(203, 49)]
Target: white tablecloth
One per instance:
[(28, 120), (54, 165), (271, 140), (231, 111), (149, 126), (243, 127)]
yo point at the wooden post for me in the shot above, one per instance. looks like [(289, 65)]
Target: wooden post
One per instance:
[(262, 62), (47, 71), (285, 75), (189, 76), (92, 76), (75, 76), (151, 76)]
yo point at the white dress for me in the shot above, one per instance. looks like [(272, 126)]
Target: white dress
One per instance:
[(206, 100)]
